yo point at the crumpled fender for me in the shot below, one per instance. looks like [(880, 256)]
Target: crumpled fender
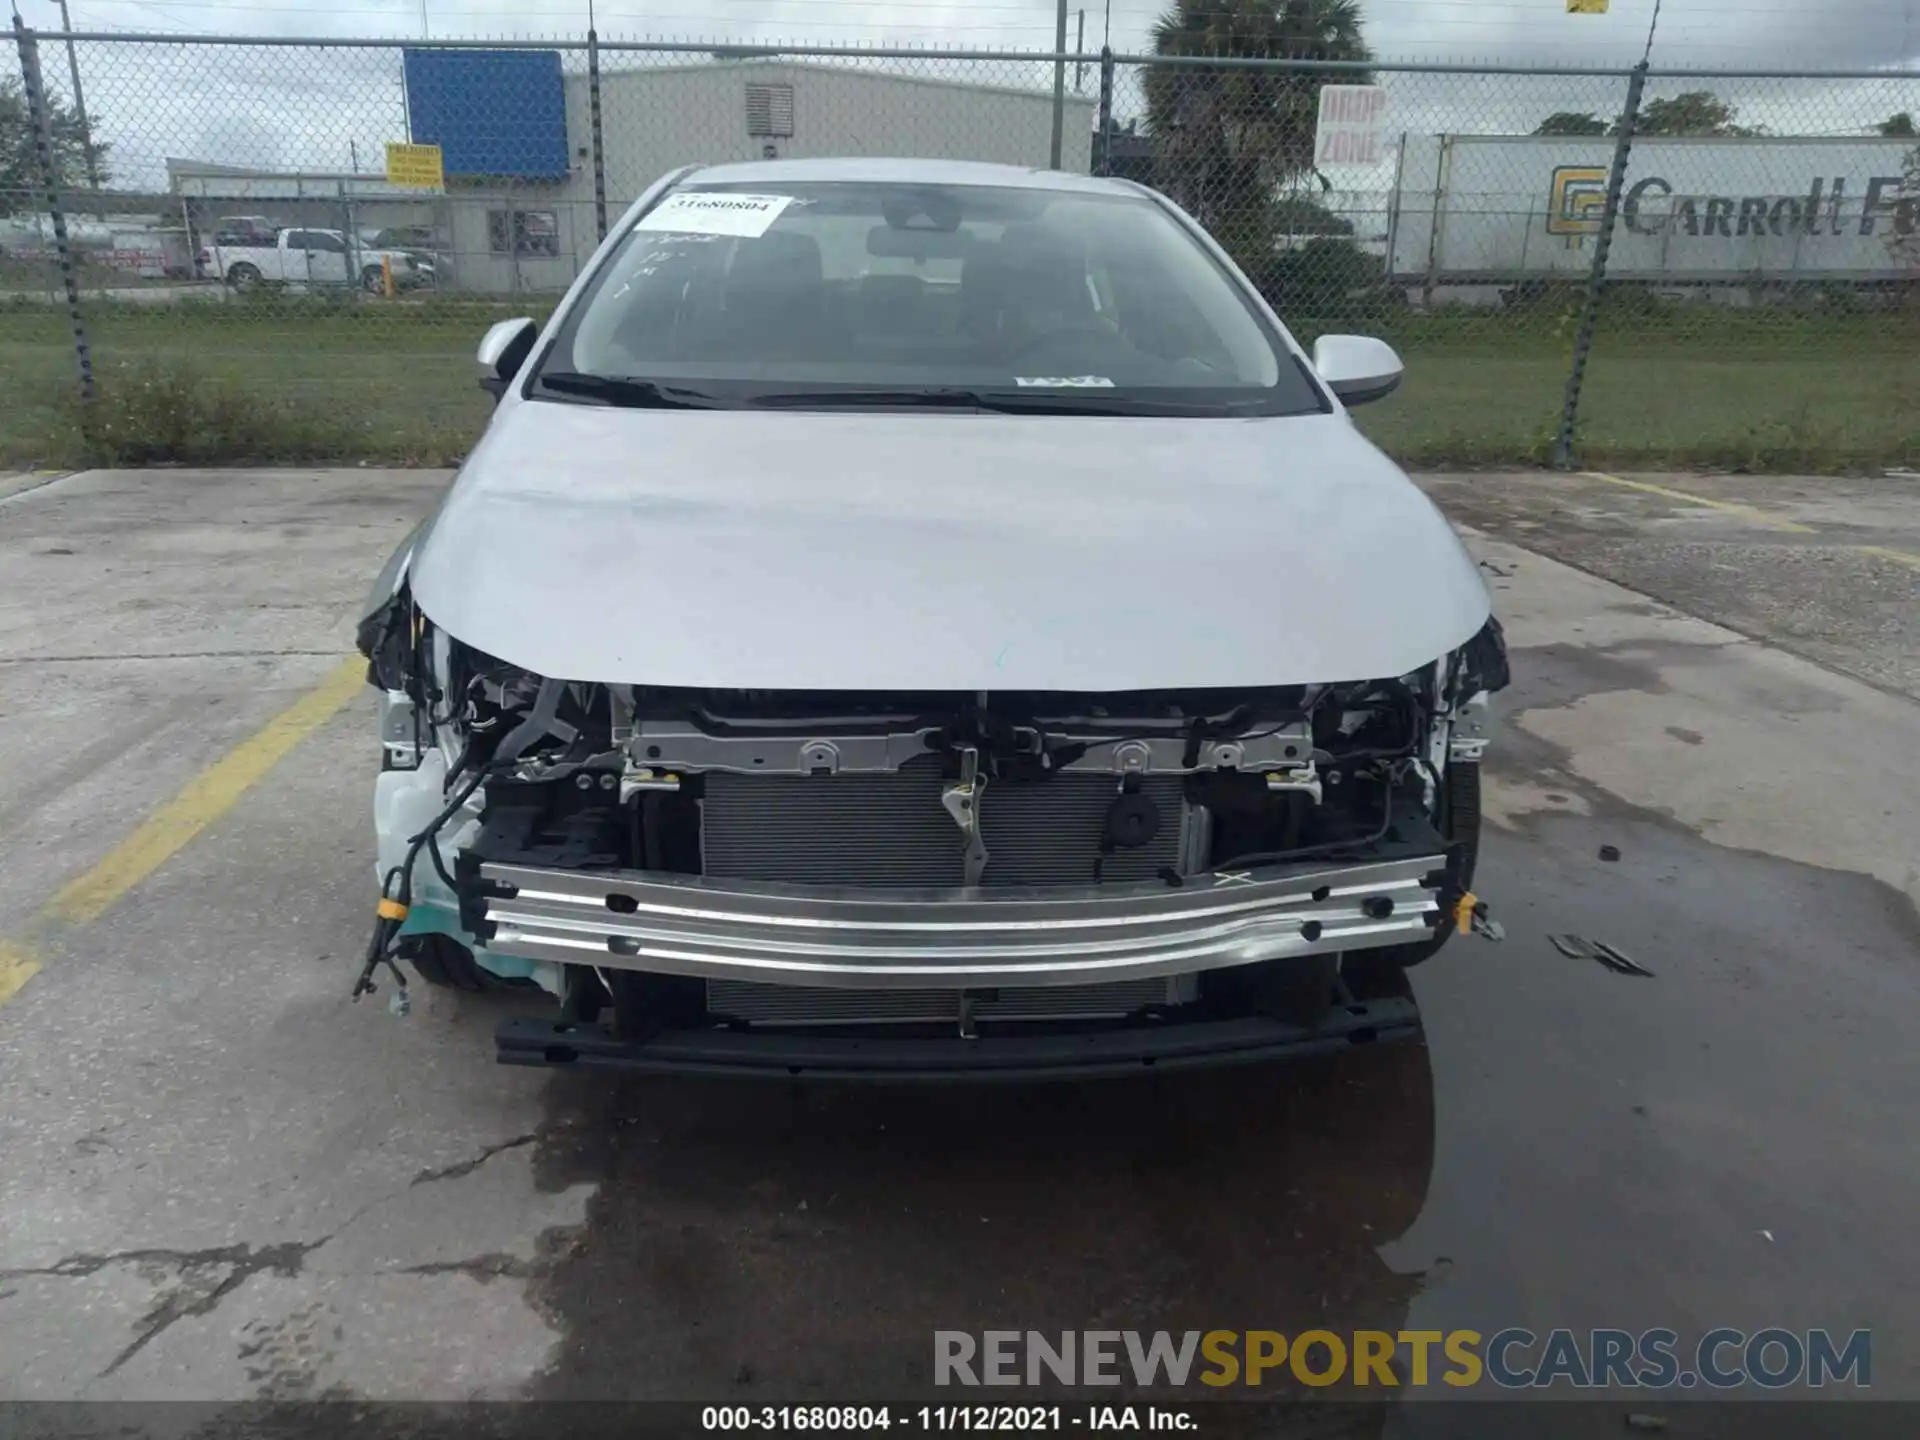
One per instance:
[(1484, 660), (381, 634)]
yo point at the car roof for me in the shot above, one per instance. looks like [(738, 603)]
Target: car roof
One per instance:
[(926, 172)]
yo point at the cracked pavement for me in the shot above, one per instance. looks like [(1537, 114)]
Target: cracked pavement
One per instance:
[(193, 1283), (348, 1296), (222, 1180)]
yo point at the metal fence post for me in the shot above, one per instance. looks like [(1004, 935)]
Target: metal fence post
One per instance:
[(42, 122), (599, 147), (1597, 272), (1103, 135), (80, 111), (1059, 83)]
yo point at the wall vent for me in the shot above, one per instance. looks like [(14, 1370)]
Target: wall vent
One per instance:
[(770, 110)]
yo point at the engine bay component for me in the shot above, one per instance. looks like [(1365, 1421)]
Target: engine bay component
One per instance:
[(784, 786), (1132, 819), (977, 861), (962, 800)]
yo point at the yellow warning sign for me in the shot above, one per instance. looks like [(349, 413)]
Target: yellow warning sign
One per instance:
[(416, 165), (1586, 7)]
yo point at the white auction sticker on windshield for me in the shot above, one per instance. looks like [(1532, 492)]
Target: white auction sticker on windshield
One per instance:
[(715, 212), (1063, 382)]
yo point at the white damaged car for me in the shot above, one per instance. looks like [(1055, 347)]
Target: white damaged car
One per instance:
[(912, 618)]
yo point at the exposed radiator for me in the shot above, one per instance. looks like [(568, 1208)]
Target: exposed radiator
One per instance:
[(891, 829), (800, 1005)]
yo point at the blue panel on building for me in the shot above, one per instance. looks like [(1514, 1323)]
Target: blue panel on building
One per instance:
[(491, 112)]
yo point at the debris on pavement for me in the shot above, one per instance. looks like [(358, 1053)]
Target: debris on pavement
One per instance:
[(1609, 852), (1578, 947), (1470, 917), (1646, 1422)]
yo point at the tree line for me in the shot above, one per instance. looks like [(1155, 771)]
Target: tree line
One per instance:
[(1697, 112), (22, 186)]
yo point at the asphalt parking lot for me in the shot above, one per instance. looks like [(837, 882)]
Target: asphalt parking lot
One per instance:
[(223, 1181), (1822, 566)]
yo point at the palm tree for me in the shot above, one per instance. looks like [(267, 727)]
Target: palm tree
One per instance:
[(1230, 140)]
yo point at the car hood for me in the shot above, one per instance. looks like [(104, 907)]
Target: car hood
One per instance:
[(941, 551)]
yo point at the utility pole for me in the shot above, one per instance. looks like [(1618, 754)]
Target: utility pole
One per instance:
[(1059, 81), (80, 108)]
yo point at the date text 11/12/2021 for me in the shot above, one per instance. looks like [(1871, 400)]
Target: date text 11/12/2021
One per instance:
[(938, 1419)]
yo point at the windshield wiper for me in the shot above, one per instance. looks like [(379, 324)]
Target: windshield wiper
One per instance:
[(932, 398), (1005, 402), (629, 393)]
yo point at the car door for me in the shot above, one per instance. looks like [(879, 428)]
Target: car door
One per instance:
[(326, 258), (296, 251)]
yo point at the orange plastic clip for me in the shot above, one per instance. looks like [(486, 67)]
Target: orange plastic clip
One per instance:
[(1463, 912)]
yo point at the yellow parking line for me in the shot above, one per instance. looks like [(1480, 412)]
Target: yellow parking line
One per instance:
[(1730, 507), (201, 801), (1899, 557), (18, 965)]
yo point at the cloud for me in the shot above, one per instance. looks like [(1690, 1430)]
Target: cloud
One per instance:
[(1815, 33)]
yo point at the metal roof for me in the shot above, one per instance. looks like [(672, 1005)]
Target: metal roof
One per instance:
[(935, 172)]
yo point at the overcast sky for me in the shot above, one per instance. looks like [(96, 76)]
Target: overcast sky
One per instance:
[(1826, 33), (286, 107)]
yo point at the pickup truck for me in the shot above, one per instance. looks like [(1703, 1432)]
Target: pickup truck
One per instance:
[(311, 257)]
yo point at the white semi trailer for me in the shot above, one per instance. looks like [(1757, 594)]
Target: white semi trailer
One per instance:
[(1479, 210)]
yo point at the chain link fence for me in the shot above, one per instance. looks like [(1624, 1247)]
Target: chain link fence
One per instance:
[(207, 252)]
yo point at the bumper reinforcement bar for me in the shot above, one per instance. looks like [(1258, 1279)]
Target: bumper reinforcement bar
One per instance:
[(981, 938)]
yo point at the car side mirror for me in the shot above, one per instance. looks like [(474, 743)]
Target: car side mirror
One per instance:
[(1357, 368), (503, 350)]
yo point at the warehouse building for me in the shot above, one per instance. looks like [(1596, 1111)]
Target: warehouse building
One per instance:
[(518, 211), (515, 129)]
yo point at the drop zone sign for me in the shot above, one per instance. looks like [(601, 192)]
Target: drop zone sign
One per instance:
[(1353, 122)]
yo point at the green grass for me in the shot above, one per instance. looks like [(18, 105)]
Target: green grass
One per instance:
[(1801, 411), (302, 379), (322, 380), (1648, 405)]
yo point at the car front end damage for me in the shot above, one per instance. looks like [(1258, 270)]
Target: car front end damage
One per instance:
[(921, 884)]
